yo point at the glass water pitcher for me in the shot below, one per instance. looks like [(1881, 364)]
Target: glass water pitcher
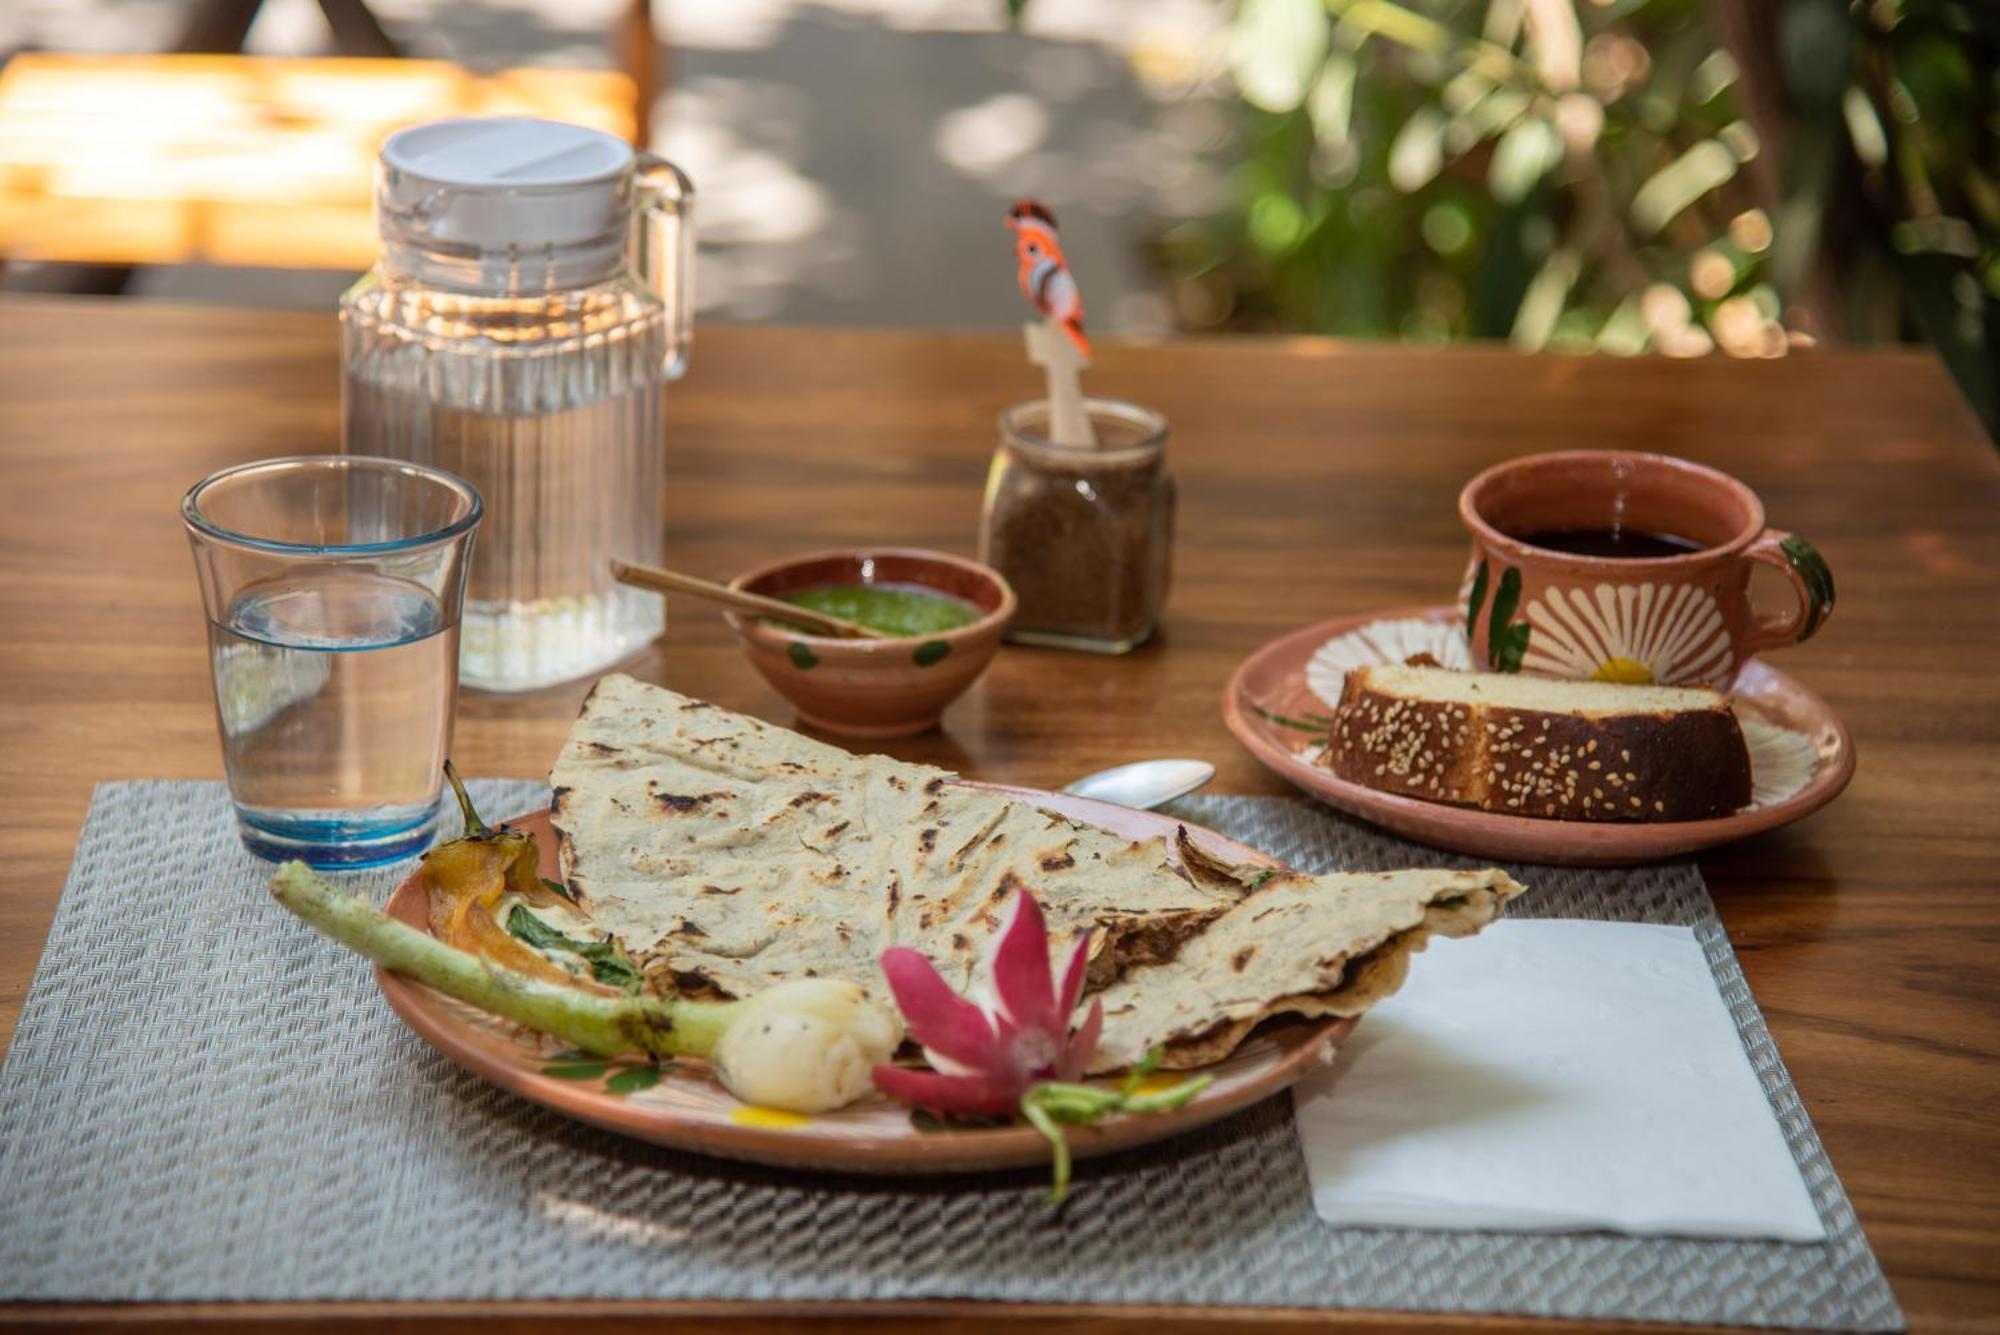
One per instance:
[(531, 303)]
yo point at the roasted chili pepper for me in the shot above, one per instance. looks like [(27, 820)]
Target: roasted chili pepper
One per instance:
[(472, 874)]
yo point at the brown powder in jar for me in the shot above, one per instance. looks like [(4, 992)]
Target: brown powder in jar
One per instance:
[(1083, 536)]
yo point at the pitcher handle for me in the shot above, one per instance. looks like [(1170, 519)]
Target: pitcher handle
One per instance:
[(663, 250), (1800, 563)]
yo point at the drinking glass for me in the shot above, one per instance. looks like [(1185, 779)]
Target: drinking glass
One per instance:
[(333, 586)]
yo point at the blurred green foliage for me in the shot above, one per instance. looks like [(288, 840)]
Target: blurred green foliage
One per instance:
[(1625, 176)]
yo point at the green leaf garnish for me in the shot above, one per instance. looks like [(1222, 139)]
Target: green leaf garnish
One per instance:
[(633, 1079), (1053, 1102), (557, 888), (1317, 723), (1151, 1061), (609, 964), (537, 933)]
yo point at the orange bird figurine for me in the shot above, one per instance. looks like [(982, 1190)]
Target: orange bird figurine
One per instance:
[(1045, 277)]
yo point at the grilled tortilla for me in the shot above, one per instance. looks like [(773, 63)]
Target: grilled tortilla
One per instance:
[(1294, 945), (726, 854)]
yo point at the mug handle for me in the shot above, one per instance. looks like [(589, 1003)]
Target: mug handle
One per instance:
[(1800, 562)]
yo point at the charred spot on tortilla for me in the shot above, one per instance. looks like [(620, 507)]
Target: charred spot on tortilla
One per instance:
[(808, 798), (684, 802), (1242, 957), (927, 839), (934, 787), (718, 890), (833, 831), (1057, 861), (1009, 883), (694, 983)]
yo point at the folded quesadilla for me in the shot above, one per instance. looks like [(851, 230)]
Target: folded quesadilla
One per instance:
[(726, 854)]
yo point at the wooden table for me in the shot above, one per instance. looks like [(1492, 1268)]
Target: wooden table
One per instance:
[(1317, 478)]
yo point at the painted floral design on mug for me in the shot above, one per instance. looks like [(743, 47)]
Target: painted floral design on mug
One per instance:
[(1506, 638), (1638, 634)]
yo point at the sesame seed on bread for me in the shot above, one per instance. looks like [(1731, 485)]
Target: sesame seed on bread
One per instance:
[(1535, 746)]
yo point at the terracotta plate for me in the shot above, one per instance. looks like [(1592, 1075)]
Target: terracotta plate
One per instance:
[(1801, 755), (688, 1110)]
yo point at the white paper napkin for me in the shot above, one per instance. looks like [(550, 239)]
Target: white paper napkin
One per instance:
[(1553, 1075)]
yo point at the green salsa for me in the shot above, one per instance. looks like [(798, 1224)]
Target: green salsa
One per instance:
[(893, 609)]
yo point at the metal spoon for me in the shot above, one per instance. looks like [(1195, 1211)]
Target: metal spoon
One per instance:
[(1144, 784)]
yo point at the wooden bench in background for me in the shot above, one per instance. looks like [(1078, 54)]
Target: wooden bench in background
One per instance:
[(237, 160)]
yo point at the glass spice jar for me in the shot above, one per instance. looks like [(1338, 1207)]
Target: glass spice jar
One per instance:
[(1084, 535)]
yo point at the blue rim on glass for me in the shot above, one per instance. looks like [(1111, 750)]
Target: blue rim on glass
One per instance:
[(195, 519)]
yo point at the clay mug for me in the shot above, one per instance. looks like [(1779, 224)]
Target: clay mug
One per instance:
[(1561, 606)]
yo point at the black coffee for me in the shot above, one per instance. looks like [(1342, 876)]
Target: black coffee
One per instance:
[(1626, 544)]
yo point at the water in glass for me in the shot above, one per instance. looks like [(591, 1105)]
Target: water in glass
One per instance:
[(333, 689)]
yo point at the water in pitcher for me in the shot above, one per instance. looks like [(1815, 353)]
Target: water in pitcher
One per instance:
[(333, 689), (566, 490)]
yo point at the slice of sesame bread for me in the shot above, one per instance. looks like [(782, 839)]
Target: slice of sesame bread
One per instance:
[(1534, 746)]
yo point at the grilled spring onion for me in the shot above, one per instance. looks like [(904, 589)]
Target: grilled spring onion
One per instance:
[(593, 1021), (806, 1045)]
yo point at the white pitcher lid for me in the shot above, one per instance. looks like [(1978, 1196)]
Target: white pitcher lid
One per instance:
[(504, 183)]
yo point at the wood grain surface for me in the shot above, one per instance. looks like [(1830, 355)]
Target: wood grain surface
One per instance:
[(1317, 478)]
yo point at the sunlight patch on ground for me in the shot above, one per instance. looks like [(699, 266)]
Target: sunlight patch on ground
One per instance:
[(979, 140)]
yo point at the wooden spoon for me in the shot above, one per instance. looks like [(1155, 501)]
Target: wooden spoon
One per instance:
[(672, 581)]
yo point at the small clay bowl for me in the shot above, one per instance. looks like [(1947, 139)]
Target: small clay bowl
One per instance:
[(874, 688)]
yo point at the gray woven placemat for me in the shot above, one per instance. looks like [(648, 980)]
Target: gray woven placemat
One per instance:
[(205, 1101)]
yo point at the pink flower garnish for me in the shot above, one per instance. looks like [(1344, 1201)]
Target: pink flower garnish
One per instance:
[(984, 1058)]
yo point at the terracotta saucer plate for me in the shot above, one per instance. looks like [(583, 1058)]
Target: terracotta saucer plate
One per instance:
[(1801, 755), (685, 1108)]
